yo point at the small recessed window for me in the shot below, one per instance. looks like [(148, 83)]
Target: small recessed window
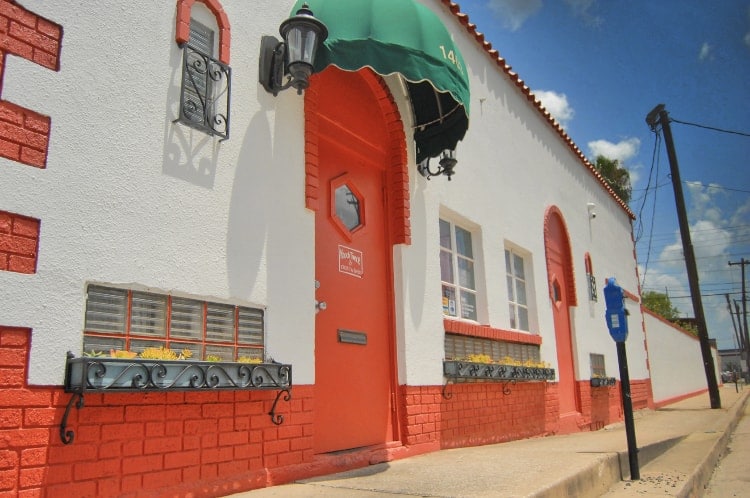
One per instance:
[(457, 271), (348, 207), (206, 84), (515, 276)]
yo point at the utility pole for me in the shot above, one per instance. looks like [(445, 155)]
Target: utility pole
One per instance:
[(738, 339), (659, 116), (742, 262)]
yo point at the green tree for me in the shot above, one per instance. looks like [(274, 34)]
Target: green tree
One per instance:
[(616, 176), (659, 303)]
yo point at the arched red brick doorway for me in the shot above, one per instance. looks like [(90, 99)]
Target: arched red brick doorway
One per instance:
[(562, 296), (357, 184)]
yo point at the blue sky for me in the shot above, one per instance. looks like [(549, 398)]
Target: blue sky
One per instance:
[(599, 67)]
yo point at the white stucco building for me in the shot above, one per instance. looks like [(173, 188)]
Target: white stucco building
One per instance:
[(135, 213)]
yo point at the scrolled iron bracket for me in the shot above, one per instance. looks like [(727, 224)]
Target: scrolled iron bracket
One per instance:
[(506, 389), (67, 436), (446, 393), (276, 418)]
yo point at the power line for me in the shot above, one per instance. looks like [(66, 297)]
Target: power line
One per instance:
[(717, 187), (709, 127), (688, 296)]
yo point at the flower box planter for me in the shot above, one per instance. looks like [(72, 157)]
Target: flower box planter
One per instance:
[(457, 369), (603, 381), (100, 374), (137, 375)]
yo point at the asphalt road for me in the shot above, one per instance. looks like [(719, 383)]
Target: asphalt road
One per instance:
[(732, 475)]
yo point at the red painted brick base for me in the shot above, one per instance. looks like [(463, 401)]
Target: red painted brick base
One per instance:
[(205, 444)]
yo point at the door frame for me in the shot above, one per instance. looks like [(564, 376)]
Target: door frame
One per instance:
[(569, 289), (396, 193)]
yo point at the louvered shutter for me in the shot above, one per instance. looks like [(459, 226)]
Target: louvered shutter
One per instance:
[(195, 80)]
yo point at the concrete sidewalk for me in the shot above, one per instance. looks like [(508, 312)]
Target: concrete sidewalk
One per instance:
[(678, 449)]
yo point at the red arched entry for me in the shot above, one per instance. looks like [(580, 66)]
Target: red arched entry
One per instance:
[(563, 296), (350, 166)]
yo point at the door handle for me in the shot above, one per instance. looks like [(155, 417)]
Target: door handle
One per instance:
[(320, 306)]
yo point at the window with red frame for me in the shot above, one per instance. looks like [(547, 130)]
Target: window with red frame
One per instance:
[(131, 320)]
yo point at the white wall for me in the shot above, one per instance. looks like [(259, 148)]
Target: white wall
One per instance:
[(512, 166), (676, 360), (128, 197)]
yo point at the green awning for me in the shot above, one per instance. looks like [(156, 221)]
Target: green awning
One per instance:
[(404, 37)]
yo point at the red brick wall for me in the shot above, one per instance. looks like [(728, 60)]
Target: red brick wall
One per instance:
[(475, 413), (19, 240), (600, 406), (641, 394), (24, 134), (141, 444)]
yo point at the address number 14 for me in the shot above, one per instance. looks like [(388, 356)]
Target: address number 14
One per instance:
[(451, 56)]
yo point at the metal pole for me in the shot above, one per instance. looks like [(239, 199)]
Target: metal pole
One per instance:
[(738, 341), (743, 348), (659, 115), (743, 262), (627, 406)]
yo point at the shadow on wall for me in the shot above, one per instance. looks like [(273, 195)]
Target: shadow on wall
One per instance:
[(250, 208), (189, 154), (416, 285)]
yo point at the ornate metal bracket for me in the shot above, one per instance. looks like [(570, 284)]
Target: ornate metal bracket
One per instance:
[(279, 419), (65, 435), (446, 393)]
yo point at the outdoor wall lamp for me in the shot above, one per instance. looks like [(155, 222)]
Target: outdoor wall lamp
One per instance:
[(294, 56), (447, 162)]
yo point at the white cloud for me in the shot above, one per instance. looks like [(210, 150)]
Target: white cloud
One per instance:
[(583, 8), (746, 39), (715, 237), (706, 52), (513, 13), (557, 104), (622, 150), (703, 202)]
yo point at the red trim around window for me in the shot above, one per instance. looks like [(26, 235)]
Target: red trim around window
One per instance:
[(182, 31), (485, 331)]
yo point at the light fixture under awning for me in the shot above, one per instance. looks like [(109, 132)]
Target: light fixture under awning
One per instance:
[(401, 37)]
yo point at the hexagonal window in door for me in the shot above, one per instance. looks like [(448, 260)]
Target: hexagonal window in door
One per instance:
[(347, 205)]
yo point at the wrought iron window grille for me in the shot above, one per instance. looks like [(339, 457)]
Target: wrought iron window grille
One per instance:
[(456, 371), (96, 374), (205, 97), (592, 287)]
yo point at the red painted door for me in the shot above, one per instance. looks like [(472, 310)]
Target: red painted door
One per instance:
[(559, 259), (353, 334)]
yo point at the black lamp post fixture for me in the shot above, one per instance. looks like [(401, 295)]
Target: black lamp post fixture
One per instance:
[(447, 162), (294, 56)]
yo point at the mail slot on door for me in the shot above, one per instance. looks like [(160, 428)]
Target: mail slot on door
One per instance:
[(352, 337)]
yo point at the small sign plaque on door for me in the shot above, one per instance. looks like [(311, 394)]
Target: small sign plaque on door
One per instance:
[(350, 261), (352, 337)]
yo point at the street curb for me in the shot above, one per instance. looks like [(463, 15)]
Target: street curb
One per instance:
[(591, 481), (598, 477), (699, 477)]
